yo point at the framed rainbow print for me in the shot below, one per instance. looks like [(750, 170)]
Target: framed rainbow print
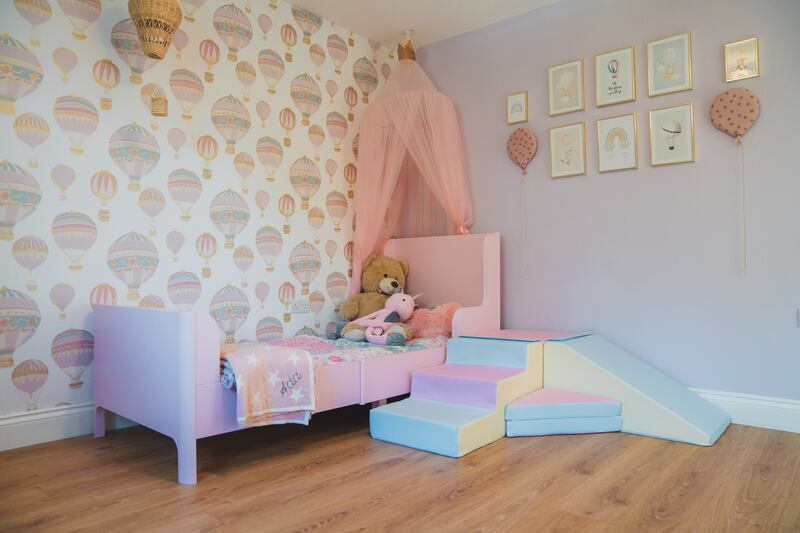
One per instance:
[(517, 108), (565, 87), (669, 64), (741, 60), (617, 143), (615, 77), (672, 135), (568, 150)]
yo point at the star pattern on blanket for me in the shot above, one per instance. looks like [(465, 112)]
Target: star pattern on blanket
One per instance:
[(296, 395), (239, 382), (293, 358), (273, 378), (258, 403), (252, 359)]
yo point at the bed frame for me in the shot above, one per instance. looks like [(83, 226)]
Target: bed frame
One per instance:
[(160, 368)]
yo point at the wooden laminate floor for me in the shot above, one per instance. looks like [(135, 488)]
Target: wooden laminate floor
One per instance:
[(333, 476)]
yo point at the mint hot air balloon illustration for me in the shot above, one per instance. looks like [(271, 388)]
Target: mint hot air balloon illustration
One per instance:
[(317, 54), (73, 351), (176, 138), (104, 187), (265, 23), (246, 74), (183, 289), (190, 7), (125, 40), (152, 203), (286, 209), (287, 121), (337, 49), (19, 196), (19, 319), (243, 258), (233, 27), (133, 259), (317, 136), (262, 201), (269, 328), (36, 12), (286, 294), (316, 301), (61, 295), (33, 130), (306, 96), (229, 307), (63, 177), (135, 151), (66, 60), (350, 176), (331, 87), (229, 213), (244, 165), (271, 66), (305, 179), (174, 240), (308, 22), (81, 13), (304, 264), (337, 129), (270, 155), (330, 249), (29, 252), (289, 38), (209, 53), (331, 166), (269, 244), (366, 77), (207, 149), (152, 301), (262, 292), (185, 188), (74, 233), (106, 75), (77, 117), (103, 294), (231, 119), (316, 218), (336, 204), (336, 286), (263, 110), (187, 88), (28, 378), (21, 73), (351, 99), (206, 248)]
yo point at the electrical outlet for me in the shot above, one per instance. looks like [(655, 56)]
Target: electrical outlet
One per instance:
[(299, 306)]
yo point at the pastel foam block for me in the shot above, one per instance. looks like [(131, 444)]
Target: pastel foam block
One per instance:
[(653, 404), (563, 426), (557, 403)]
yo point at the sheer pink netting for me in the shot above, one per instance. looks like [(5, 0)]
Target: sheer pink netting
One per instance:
[(410, 153)]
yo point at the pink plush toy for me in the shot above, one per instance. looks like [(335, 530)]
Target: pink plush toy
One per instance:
[(384, 327)]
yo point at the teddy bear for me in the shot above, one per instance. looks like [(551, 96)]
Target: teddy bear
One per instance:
[(384, 326)]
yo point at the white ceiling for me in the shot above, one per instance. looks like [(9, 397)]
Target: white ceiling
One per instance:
[(432, 20)]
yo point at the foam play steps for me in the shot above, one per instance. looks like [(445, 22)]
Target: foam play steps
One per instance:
[(559, 412)]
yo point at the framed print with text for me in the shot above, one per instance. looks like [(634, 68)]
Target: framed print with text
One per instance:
[(615, 77)]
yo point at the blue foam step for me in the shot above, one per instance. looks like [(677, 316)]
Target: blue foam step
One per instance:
[(563, 426), (472, 351)]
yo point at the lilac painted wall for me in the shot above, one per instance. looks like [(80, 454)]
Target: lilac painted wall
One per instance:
[(647, 257)]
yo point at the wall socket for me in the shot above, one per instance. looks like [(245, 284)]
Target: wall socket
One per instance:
[(299, 306)]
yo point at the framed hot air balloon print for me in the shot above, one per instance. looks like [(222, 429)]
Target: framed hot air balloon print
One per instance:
[(617, 143), (615, 77), (565, 87), (568, 150), (669, 64), (517, 108), (672, 135), (741, 60)]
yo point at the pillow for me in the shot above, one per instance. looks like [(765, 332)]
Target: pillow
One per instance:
[(432, 323)]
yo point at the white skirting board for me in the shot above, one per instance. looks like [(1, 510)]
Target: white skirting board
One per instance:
[(63, 422)]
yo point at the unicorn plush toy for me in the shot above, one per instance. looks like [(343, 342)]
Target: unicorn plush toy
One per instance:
[(385, 326)]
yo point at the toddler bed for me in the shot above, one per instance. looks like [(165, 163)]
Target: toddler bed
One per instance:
[(161, 369)]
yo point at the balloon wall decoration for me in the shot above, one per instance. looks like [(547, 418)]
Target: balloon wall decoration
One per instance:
[(271, 66), (244, 165), (207, 149), (331, 166), (263, 111), (185, 188), (336, 204), (270, 155), (305, 179), (351, 99), (19, 196), (289, 38), (73, 352), (317, 55), (125, 40), (337, 129), (152, 203), (286, 208), (179, 40), (336, 285), (22, 73), (104, 187), (246, 74), (106, 75), (33, 130), (521, 147), (286, 295), (74, 233), (331, 87), (229, 213), (61, 295), (206, 247), (306, 95), (269, 244), (350, 176), (190, 7), (262, 292), (66, 60), (317, 136), (262, 201), (28, 378), (269, 328), (184, 289), (243, 258), (316, 218), (209, 53), (135, 151), (232, 120), (316, 301), (175, 241), (265, 23), (188, 90), (81, 13), (288, 121), (337, 49), (366, 77), (233, 28), (176, 138), (103, 294), (62, 176), (229, 307), (77, 117), (19, 319), (152, 301), (330, 249), (29, 252), (309, 22), (36, 13), (133, 259)]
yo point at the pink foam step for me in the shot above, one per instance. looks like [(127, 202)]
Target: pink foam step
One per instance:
[(462, 384), (557, 403)]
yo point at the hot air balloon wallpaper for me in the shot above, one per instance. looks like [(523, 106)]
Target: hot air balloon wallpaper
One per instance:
[(233, 28), (29, 252), (337, 129), (289, 38), (317, 136), (336, 285), (265, 23), (176, 138), (152, 301), (19, 196), (317, 55), (230, 308), (125, 40), (103, 294), (355, 146), (231, 119), (73, 352), (81, 13), (286, 295), (188, 90), (246, 74), (185, 188), (263, 111), (351, 99), (22, 73), (386, 70), (305, 264), (155, 101), (190, 7), (175, 240), (262, 201), (330, 249), (19, 319), (306, 96), (179, 40), (133, 259), (74, 233), (308, 22), (366, 77), (206, 247), (184, 289), (272, 67), (288, 121), (36, 13), (316, 218), (77, 117), (229, 213), (316, 301), (269, 328), (269, 244), (331, 87), (286, 209), (336, 204), (152, 203), (33, 130), (348, 256), (350, 176), (28, 378), (305, 179), (244, 165), (331, 166), (104, 187), (270, 155), (262, 292), (207, 148), (66, 60), (209, 53), (106, 75), (135, 151), (337, 49), (243, 258), (61, 295)]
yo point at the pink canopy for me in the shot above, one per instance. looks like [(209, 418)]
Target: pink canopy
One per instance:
[(410, 151)]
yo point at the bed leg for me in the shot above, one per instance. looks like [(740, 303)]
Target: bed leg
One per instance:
[(99, 422), (378, 403), (187, 461)]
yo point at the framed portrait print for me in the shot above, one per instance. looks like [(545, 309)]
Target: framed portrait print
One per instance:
[(672, 135), (565, 87), (517, 108), (741, 60), (617, 144), (615, 77), (669, 64), (568, 150)]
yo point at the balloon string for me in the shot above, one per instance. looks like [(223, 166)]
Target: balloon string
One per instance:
[(524, 229), (743, 215)]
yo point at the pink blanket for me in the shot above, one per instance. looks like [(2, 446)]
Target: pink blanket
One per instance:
[(274, 385)]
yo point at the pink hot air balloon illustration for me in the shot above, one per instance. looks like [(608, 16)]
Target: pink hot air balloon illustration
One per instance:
[(331, 87), (183, 289), (175, 242), (179, 40), (209, 53), (316, 301), (81, 13), (132, 258), (331, 166), (348, 255), (287, 121), (135, 151), (350, 176), (125, 40), (336, 204), (77, 117), (21, 73), (308, 22), (386, 70), (244, 165), (190, 7), (28, 378), (305, 179), (286, 295), (73, 352), (351, 99), (317, 136), (74, 233), (265, 23), (305, 264), (336, 285), (289, 38), (355, 146), (317, 54), (229, 213), (36, 12), (185, 188), (243, 258), (230, 308), (103, 294), (207, 149), (262, 292), (316, 218), (66, 60), (269, 244), (272, 68), (263, 110), (330, 249), (152, 301), (152, 203), (61, 295), (106, 75), (104, 187), (306, 96), (33, 130), (366, 77), (176, 138), (19, 196), (269, 328), (337, 129), (233, 28), (337, 49), (19, 319), (206, 247), (286, 209), (262, 201), (270, 155), (187, 88), (246, 74), (231, 119), (29, 252)]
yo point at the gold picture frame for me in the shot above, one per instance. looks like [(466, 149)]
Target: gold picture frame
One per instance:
[(667, 142), (665, 72), (738, 68), (624, 87), (566, 151), (606, 128), (566, 88), (513, 117)]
